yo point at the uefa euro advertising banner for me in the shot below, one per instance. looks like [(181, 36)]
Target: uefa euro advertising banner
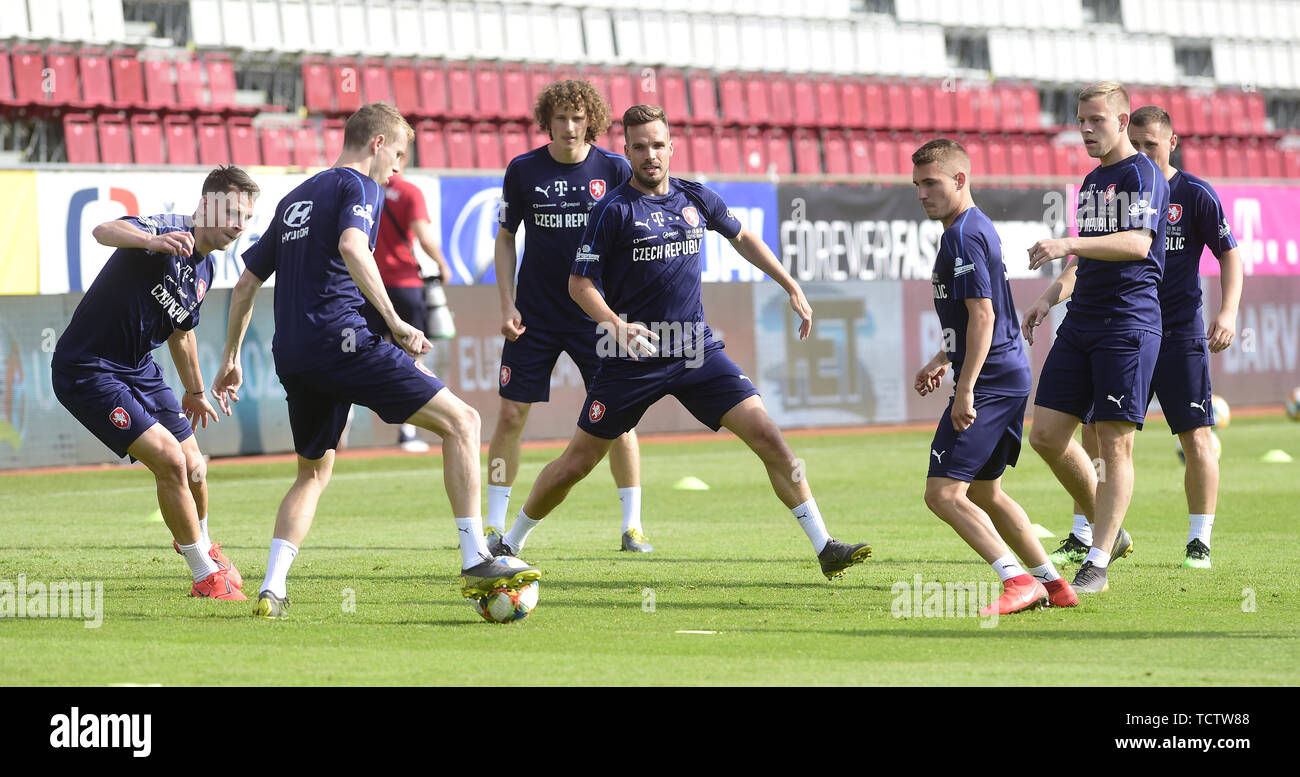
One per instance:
[(862, 253)]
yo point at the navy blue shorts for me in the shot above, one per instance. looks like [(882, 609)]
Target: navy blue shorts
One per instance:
[(1107, 372), (116, 408), (527, 363), (623, 390), (1182, 382), (987, 448), (379, 376), (409, 304)]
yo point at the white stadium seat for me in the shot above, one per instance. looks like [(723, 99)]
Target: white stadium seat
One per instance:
[(568, 34), (679, 31), (410, 37), (236, 24), (548, 45), (799, 53), (462, 34), (518, 35), (909, 10), (598, 31), (754, 55), (14, 24), (41, 22), (77, 22), (266, 33), (704, 42), (821, 45), (434, 21), (489, 30), (842, 46), (652, 36), (727, 37), (628, 35), (295, 26), (380, 38), (324, 25)]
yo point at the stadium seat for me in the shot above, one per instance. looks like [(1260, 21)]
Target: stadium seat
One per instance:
[(897, 115), (682, 161), (804, 92), (331, 133), (781, 108), (179, 130), (61, 67), (977, 150), (318, 96), (598, 33), (731, 88), (514, 141), (884, 155), (189, 83), (1010, 114), (488, 91), (835, 147), (214, 143), (1040, 158), (6, 78), (986, 110), (460, 91), (729, 161), (539, 77), (324, 30), (1252, 160), (1256, 114), (245, 151), (851, 109), (460, 146), (160, 89), (807, 152), (963, 106), (1238, 123), (704, 97), (80, 139), (1222, 118), (276, 146), (517, 101), (829, 113), (616, 137), (1291, 164), (406, 87), (295, 24), (704, 155), (996, 156), (109, 26), (380, 35), (671, 94), (96, 78), (265, 26), (306, 147), (433, 88), (347, 84), (753, 152), (905, 144), (430, 149), (920, 101), (487, 147), (353, 27), (1273, 160), (205, 23), (221, 79), (128, 78), (237, 24), (147, 139), (1193, 158), (375, 80), (622, 90), (875, 108), (943, 109), (860, 153)]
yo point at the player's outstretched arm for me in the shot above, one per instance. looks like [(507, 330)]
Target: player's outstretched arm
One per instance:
[(633, 339), (758, 254), (185, 355), (123, 234), (1060, 290), (231, 376), (512, 324), (1130, 245), (1224, 326), (354, 247)]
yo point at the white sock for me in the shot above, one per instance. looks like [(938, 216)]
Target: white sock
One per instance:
[(1099, 558), (810, 520), (1046, 573), (200, 564), (1007, 567), (1199, 527), (630, 498), (473, 549), (278, 562), (1082, 529), (407, 432), (203, 531), (498, 503), (518, 534)]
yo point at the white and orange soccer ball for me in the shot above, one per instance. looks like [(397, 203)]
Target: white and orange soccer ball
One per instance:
[(1293, 404), (507, 605), (1222, 413)]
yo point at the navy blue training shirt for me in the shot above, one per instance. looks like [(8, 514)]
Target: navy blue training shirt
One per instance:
[(1195, 220), (645, 251), (553, 199), (136, 302), (1108, 295), (316, 299), (969, 265)]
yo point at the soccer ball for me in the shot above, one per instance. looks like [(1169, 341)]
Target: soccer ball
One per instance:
[(507, 605), (1214, 440), (1293, 404), (1222, 413)]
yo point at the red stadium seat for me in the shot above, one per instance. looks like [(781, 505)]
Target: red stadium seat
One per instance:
[(128, 78), (851, 110), (945, 116), (670, 94), (860, 154), (753, 152), (731, 87), (898, 114), (514, 141), (622, 90), (518, 101), (704, 154), (406, 88), (1213, 158), (804, 102), (1011, 117), (782, 97), (28, 62), (214, 144), (758, 100), (180, 140), (433, 88), (807, 154), (1031, 107), (6, 77), (996, 156), (1274, 164), (986, 110), (539, 77), (963, 103), (276, 146), (682, 162), (616, 137), (460, 146), (1020, 160), (331, 133), (347, 84), (306, 147), (1040, 159), (487, 91), (1256, 114), (1235, 105), (1177, 104), (835, 146), (977, 150), (245, 151), (221, 79), (1193, 158), (430, 147), (1291, 164), (874, 108), (598, 77), (704, 97), (61, 63), (920, 101), (318, 95), (1062, 166), (79, 138), (96, 78), (376, 81), (487, 147), (1200, 116), (829, 113), (777, 148), (729, 151), (460, 91), (159, 84), (905, 144), (1252, 158), (147, 139), (1223, 120), (189, 83), (884, 155)]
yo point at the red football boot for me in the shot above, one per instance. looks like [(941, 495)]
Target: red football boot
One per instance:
[(218, 586), (223, 563), (1018, 593), (1061, 594)]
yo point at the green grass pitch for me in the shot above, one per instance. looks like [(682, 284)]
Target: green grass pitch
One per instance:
[(729, 560)]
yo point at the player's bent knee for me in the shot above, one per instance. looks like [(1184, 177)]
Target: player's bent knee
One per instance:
[(513, 415)]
